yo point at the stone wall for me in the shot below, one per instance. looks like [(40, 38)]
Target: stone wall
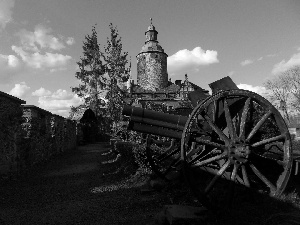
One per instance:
[(152, 70), (10, 132), (45, 135), (30, 135)]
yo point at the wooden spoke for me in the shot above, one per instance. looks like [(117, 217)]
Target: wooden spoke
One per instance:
[(175, 163), (229, 122), (167, 155), (263, 178), (194, 150), (279, 162), (243, 119), (269, 140), (258, 125), (214, 111), (233, 178), (234, 172), (216, 129), (216, 177), (245, 176), (209, 160), (210, 143)]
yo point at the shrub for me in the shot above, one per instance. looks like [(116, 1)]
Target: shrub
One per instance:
[(125, 149), (140, 157), (134, 153), (296, 146)]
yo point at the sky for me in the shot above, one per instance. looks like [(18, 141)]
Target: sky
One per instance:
[(41, 41)]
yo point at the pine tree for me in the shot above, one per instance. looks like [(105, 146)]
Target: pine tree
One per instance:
[(115, 63), (91, 74)]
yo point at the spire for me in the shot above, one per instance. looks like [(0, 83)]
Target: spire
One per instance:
[(151, 33), (186, 78)]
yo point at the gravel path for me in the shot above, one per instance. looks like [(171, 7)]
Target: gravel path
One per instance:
[(71, 189)]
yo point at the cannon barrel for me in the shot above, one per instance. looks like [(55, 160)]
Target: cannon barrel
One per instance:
[(152, 122)]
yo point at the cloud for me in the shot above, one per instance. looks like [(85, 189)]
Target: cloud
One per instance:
[(57, 69), (185, 60), (260, 58), (272, 55), (5, 12), (40, 38), (285, 65), (70, 41), (19, 90), (246, 62), (38, 61), (257, 89), (41, 92), (58, 102), (9, 61), (39, 49), (10, 65)]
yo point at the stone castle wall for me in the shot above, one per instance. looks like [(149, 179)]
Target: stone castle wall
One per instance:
[(30, 135), (152, 70), (10, 132)]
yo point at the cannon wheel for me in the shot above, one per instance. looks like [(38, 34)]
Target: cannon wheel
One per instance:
[(163, 157), (239, 136)]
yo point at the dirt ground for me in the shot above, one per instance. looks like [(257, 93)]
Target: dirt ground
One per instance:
[(78, 188)]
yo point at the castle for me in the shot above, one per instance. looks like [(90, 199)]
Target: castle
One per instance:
[(153, 85)]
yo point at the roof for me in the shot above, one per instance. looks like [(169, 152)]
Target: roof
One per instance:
[(196, 87), (173, 88), (152, 46), (36, 108), (225, 83)]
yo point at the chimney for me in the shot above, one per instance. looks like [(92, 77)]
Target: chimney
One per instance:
[(178, 82)]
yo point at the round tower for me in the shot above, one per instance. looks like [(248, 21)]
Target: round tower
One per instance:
[(152, 63)]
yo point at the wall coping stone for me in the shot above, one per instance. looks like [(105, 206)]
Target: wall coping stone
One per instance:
[(12, 97)]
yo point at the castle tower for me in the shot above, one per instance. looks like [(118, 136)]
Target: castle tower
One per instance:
[(152, 63)]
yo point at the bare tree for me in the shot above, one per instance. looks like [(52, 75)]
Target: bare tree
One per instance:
[(285, 89), (292, 76), (280, 90)]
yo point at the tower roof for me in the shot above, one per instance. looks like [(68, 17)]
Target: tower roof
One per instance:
[(151, 44), (151, 27)]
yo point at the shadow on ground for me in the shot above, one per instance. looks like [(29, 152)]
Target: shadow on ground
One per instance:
[(77, 188)]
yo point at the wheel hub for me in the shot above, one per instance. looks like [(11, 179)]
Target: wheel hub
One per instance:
[(239, 152)]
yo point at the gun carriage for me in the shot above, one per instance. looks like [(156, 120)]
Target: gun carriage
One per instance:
[(233, 134)]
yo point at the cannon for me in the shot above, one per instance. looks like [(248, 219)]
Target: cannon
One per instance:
[(233, 136)]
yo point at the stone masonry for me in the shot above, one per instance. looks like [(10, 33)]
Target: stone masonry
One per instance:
[(30, 135), (152, 63)]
